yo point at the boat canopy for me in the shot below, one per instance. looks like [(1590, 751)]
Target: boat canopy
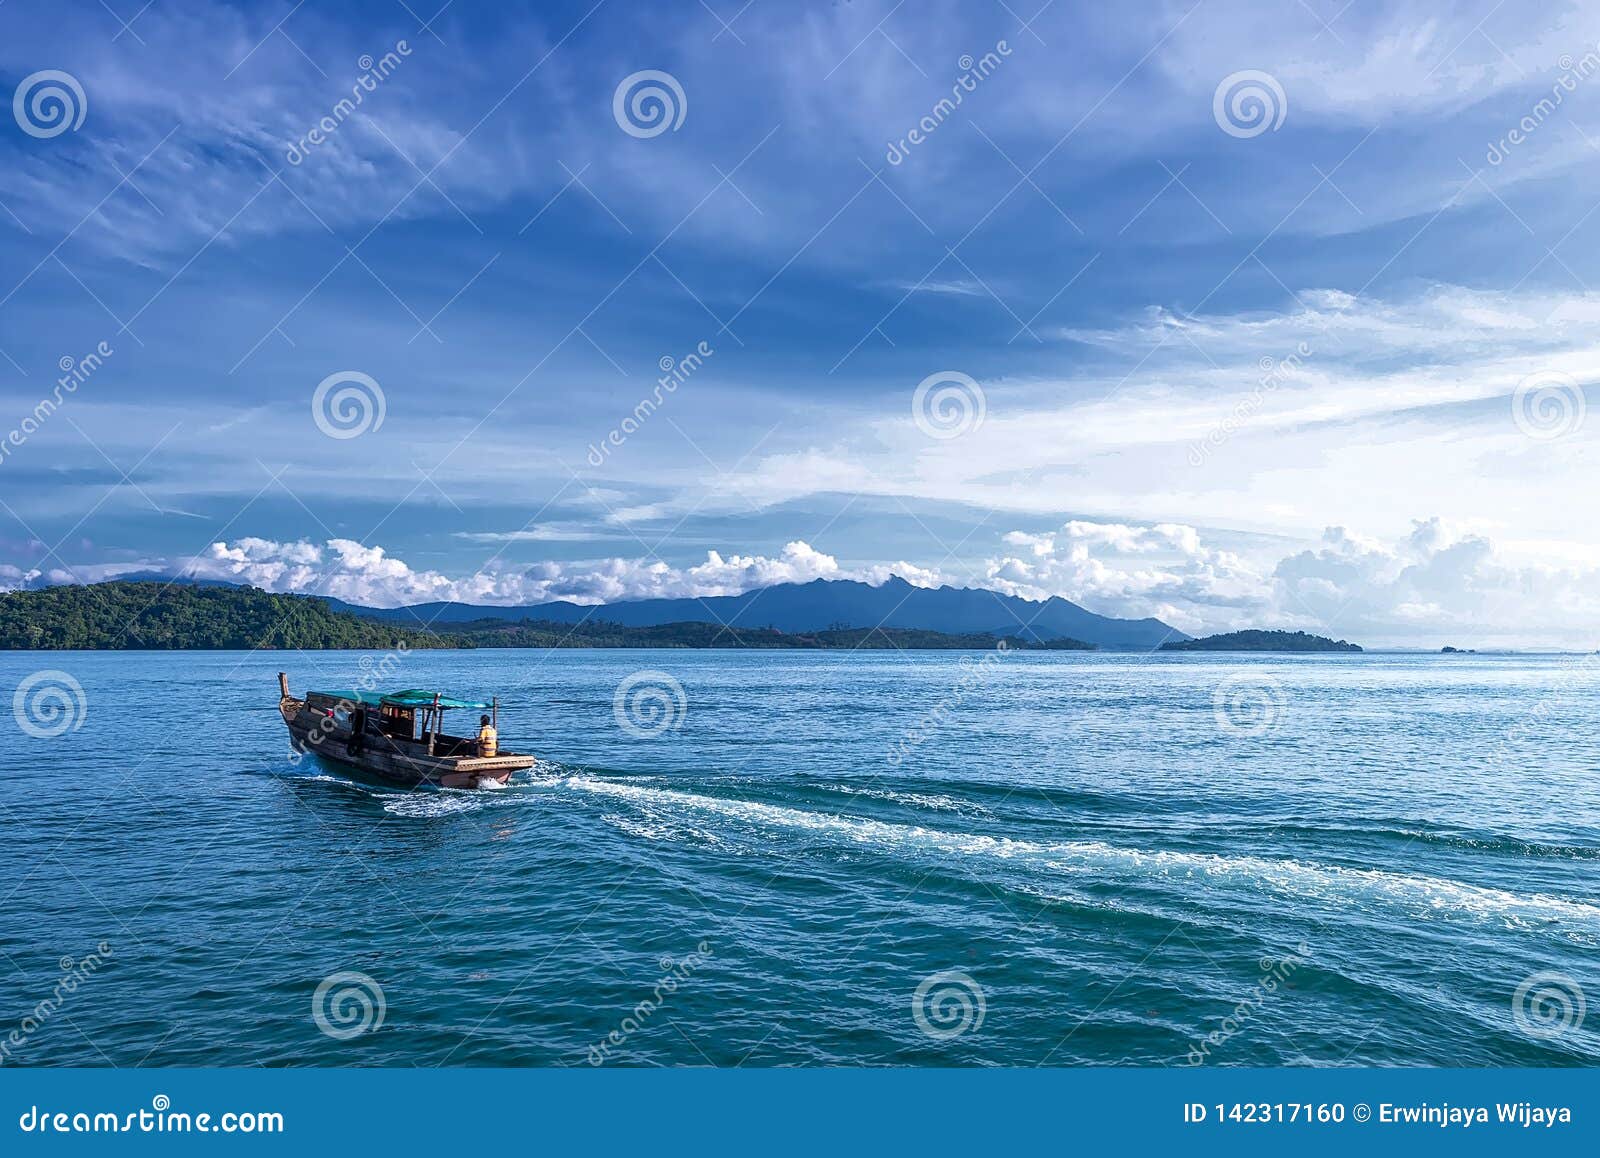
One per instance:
[(420, 699), (413, 698)]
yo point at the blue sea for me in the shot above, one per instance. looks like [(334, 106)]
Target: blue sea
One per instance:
[(812, 858)]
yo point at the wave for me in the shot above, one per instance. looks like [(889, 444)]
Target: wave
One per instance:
[(430, 804), (928, 800), (1405, 831), (661, 831), (1425, 896), (1491, 842)]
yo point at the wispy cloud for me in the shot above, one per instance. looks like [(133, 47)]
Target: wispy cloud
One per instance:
[(956, 287), (544, 533)]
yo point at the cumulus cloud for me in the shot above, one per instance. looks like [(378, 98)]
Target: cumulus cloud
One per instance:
[(1436, 584), (371, 577), (14, 578), (1134, 571)]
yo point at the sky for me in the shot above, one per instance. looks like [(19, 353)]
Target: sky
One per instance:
[(1239, 315)]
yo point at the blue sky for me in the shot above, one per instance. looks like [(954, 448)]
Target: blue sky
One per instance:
[(1327, 374)]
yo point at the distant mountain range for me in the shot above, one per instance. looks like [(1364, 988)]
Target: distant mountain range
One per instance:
[(124, 615), (825, 604), (824, 613)]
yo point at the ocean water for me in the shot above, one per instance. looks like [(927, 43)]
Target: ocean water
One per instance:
[(821, 859)]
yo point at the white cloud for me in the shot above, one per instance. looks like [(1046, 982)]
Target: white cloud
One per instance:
[(1134, 571), (13, 578), (204, 116), (1279, 422), (955, 287), (371, 577), (552, 532), (1436, 584), (1371, 63)]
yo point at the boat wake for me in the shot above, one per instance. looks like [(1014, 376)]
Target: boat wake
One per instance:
[(448, 802), (1094, 862), (927, 800), (663, 831)]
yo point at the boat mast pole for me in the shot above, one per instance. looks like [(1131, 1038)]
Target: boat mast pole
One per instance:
[(438, 718), (494, 706)]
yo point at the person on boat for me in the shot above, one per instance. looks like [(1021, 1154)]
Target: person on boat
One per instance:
[(488, 738)]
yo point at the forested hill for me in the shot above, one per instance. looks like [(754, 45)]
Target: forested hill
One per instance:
[(159, 616), (1261, 641)]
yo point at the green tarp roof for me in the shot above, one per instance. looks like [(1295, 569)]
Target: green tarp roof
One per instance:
[(412, 698)]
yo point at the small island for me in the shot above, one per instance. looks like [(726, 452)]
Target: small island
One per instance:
[(1457, 651), (1290, 641)]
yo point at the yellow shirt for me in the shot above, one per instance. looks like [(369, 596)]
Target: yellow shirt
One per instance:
[(488, 740)]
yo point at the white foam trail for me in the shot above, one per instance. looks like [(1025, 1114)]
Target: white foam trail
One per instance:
[(1333, 884), (425, 804), (926, 800), (661, 831)]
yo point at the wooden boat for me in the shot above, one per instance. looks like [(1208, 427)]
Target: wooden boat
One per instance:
[(399, 736)]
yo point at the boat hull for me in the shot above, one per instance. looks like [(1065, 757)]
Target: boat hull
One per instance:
[(397, 761)]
